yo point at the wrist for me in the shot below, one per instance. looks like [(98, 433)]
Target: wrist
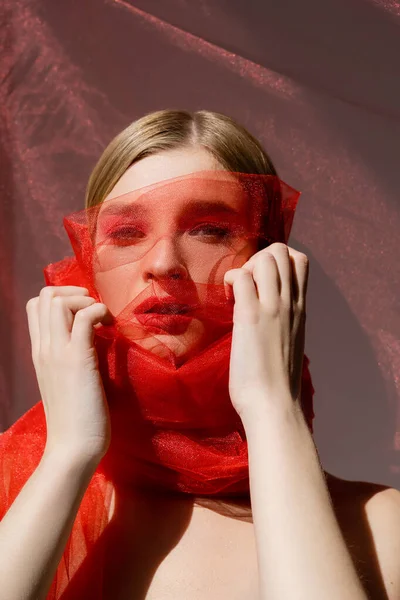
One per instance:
[(75, 458), (274, 413)]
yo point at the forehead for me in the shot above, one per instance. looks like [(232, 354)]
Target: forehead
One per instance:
[(173, 180), (172, 199), (164, 166)]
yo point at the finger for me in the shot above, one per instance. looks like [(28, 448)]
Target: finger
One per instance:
[(301, 273), (300, 268), (267, 279), (83, 327), (32, 311), (272, 273), (244, 289), (282, 257), (62, 311), (45, 298)]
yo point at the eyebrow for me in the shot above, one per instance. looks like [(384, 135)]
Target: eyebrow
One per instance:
[(198, 207), (216, 206), (119, 208)]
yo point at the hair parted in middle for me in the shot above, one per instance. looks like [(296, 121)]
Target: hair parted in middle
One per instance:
[(230, 143)]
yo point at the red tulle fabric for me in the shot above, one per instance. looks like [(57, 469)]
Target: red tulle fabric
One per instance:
[(174, 428)]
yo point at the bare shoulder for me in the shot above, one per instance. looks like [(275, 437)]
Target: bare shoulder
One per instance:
[(369, 517)]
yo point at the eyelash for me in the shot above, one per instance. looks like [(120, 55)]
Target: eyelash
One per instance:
[(221, 232)]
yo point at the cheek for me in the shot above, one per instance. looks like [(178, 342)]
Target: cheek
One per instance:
[(117, 287), (210, 263)]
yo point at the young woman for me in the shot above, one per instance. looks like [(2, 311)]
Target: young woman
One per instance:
[(174, 199)]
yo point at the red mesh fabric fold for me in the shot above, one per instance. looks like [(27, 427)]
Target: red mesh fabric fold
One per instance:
[(165, 359)]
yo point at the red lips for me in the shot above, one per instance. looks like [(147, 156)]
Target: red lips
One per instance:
[(166, 305)]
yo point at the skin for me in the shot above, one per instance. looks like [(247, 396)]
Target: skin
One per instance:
[(288, 543), (167, 253), (350, 521)]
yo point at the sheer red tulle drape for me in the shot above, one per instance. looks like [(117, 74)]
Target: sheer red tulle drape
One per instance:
[(70, 82), (165, 358)]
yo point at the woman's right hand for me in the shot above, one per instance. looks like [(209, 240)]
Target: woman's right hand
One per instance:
[(61, 323)]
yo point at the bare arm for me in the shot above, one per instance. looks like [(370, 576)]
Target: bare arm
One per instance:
[(34, 531), (300, 547)]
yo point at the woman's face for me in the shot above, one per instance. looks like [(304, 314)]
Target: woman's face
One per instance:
[(175, 242)]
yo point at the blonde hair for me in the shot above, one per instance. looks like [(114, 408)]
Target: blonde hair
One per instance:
[(230, 143)]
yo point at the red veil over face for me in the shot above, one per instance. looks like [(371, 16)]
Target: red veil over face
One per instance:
[(156, 257)]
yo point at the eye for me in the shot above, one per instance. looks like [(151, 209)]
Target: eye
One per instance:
[(125, 234), (211, 231)]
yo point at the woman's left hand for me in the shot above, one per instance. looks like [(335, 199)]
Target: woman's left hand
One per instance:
[(268, 336)]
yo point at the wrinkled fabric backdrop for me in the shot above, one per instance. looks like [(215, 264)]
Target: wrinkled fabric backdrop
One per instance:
[(317, 82)]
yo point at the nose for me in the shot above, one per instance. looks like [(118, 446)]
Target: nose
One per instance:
[(163, 261)]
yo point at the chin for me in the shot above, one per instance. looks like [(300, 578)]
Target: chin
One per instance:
[(176, 347), (169, 347)]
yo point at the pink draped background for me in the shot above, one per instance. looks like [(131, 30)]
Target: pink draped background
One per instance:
[(317, 82)]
